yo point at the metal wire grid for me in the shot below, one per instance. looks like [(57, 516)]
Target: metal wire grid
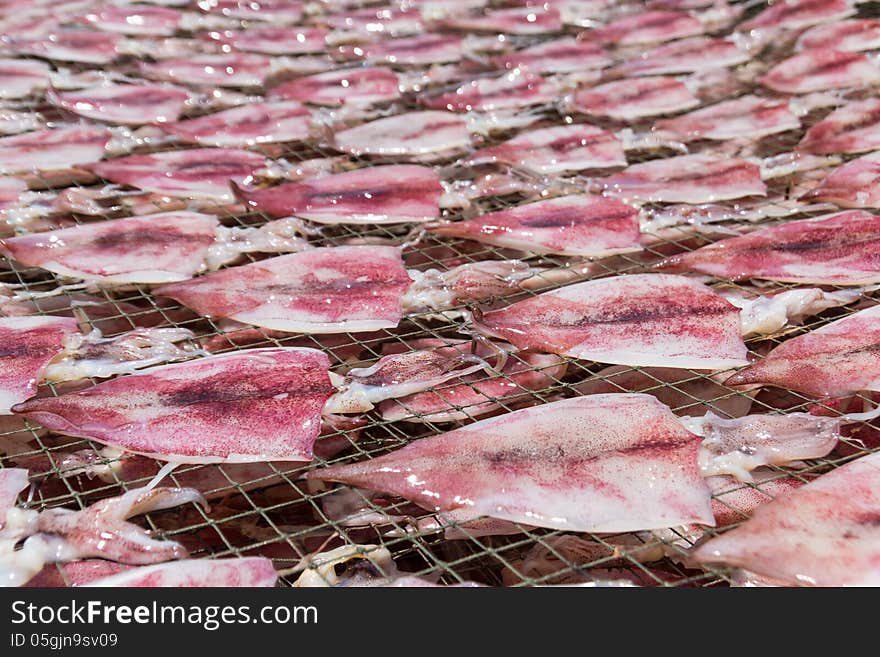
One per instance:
[(270, 511)]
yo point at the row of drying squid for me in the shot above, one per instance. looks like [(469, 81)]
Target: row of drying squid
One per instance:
[(612, 460)]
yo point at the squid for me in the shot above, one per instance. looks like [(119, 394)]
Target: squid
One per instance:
[(746, 117), (853, 128), (794, 15), (373, 23), (651, 320), (159, 248), (646, 27), (140, 20), (283, 12), (685, 393), (339, 289), (853, 35), (224, 70), (478, 393), (577, 225), (838, 359), (200, 173), (11, 191), (236, 572), (373, 195), (419, 50), (516, 89), (12, 482), (835, 249), (422, 136), (52, 349), (21, 78), (604, 463), (555, 150), (53, 149), (855, 184), (100, 530), (634, 99), (68, 45), (127, 104), (353, 86), (13, 122), (692, 55), (691, 179), (821, 534), (249, 125), (821, 70), (272, 40), (567, 55), (738, 446), (516, 20), (770, 312), (251, 406)]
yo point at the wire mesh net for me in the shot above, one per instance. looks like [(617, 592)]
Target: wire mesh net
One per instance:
[(267, 509)]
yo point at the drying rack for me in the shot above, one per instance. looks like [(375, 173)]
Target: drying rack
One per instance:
[(279, 515)]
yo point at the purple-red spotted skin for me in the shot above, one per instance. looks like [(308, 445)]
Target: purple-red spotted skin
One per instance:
[(71, 45), (254, 123), (27, 346), (372, 195), (690, 179), (158, 248), (270, 11), (272, 39), (855, 184), (321, 290), (825, 533), (51, 150), (798, 14), (556, 150), (225, 70), (254, 405), (352, 86), (578, 225), (12, 482), (102, 529), (646, 27), (384, 20), (140, 20), (821, 70), (427, 135), (189, 573), (734, 501), (837, 249), (417, 50), (634, 99), (516, 20), (567, 55), (509, 91), (746, 117), (479, 393), (840, 358), (686, 56), (602, 463), (19, 78), (853, 128), (854, 35), (649, 320), (200, 173), (127, 104)]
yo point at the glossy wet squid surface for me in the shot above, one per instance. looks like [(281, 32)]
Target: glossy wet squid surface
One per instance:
[(205, 410), (822, 534), (641, 319), (602, 463)]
